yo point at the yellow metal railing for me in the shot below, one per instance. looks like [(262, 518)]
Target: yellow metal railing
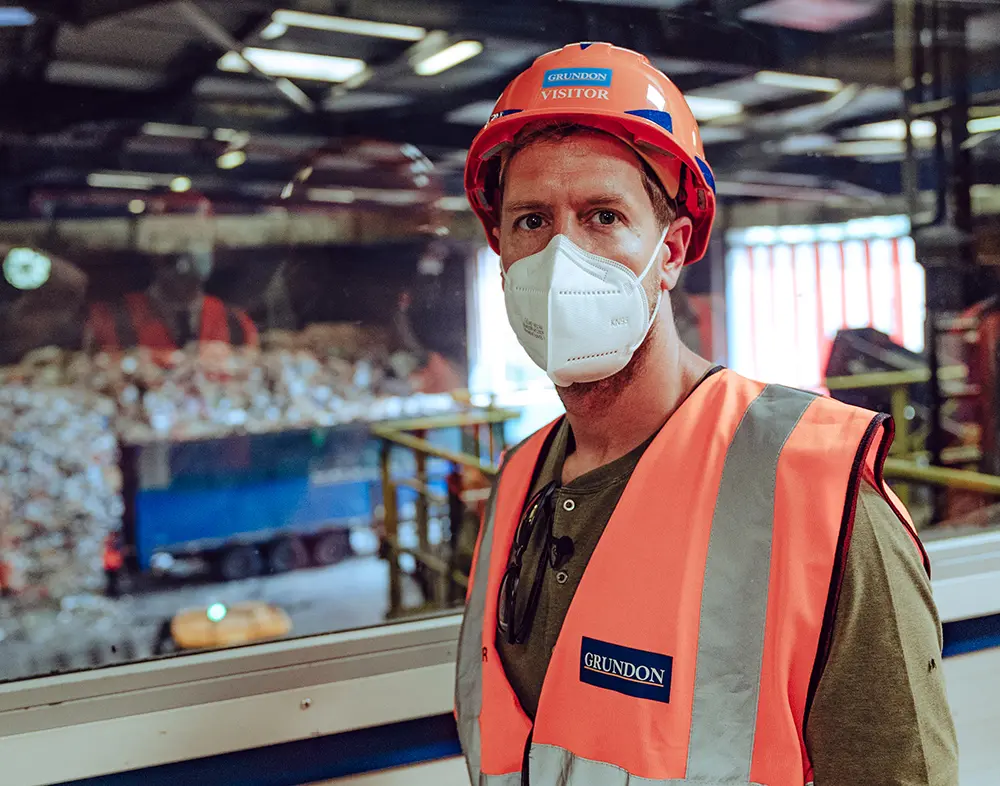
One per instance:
[(891, 379), (944, 477), (907, 462), (442, 567), (898, 383)]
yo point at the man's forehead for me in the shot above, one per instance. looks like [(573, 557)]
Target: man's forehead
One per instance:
[(586, 144), (554, 171)]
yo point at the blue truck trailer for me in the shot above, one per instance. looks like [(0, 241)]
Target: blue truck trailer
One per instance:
[(249, 504)]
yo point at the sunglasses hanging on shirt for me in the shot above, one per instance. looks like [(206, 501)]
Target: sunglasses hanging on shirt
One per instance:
[(538, 512)]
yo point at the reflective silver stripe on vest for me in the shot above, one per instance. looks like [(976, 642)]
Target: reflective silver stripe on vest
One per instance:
[(734, 596), (510, 779), (469, 674), (551, 765)]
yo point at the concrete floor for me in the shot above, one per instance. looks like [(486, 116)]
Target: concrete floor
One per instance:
[(352, 594)]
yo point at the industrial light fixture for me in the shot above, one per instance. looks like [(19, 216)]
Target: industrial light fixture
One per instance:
[(896, 129), (25, 268), (453, 203), (273, 31), (708, 108), (433, 64), (136, 206), (389, 196), (128, 180), (820, 84), (341, 24), (878, 148), (139, 181), (16, 17), (231, 159), (294, 65), (174, 131), (345, 196), (339, 196), (231, 137), (806, 144), (295, 94), (474, 114), (984, 125)]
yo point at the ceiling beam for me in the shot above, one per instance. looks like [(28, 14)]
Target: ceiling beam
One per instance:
[(84, 12), (684, 33), (35, 108), (36, 45), (212, 30), (423, 128), (50, 167)]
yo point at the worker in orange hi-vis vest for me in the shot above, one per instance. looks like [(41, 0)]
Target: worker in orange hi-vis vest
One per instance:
[(174, 310), (691, 577)]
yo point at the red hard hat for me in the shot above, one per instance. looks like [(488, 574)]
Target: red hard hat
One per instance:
[(614, 90)]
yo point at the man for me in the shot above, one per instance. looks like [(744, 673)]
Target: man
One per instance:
[(433, 371), (692, 577), (173, 312)]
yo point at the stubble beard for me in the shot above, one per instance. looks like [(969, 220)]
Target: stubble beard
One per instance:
[(598, 396)]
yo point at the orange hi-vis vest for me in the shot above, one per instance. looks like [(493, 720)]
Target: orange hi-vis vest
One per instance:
[(702, 622), (113, 559), (134, 322)]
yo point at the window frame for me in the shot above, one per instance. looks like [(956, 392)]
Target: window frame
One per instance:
[(190, 706), (174, 709)]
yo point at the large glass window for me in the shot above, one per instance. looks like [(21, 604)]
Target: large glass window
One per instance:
[(791, 289), (255, 362)]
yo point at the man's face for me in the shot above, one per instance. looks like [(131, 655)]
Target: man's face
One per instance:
[(181, 277), (588, 187)]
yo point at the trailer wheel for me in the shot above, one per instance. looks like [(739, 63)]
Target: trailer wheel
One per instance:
[(332, 547), (240, 562), (286, 555)]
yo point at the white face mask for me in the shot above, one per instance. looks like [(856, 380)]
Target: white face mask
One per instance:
[(580, 317)]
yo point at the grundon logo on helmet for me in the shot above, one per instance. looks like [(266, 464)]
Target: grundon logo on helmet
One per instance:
[(577, 77)]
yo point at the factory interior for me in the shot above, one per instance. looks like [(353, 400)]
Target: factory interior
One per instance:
[(236, 536)]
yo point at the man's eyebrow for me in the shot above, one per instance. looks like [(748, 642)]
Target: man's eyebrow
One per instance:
[(520, 207), (607, 199), (615, 200)]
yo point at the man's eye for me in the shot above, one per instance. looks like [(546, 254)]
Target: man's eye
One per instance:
[(606, 217), (532, 222)]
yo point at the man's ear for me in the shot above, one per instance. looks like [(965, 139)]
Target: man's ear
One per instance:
[(675, 247)]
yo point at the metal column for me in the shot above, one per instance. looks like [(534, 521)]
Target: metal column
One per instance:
[(932, 60)]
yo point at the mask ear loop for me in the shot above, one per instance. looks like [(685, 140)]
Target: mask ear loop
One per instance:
[(659, 291)]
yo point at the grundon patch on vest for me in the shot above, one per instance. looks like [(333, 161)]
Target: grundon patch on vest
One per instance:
[(644, 675)]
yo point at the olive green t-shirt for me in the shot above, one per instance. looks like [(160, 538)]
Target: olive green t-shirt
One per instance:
[(879, 714)]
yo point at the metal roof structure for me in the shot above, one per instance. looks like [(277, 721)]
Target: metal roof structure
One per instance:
[(101, 100)]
